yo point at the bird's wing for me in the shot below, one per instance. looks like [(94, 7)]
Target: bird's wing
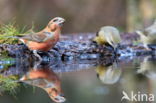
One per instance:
[(115, 36), (39, 37), (108, 38)]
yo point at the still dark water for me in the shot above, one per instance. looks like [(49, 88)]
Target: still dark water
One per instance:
[(80, 82)]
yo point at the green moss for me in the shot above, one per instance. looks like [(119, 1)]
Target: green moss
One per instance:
[(7, 59), (9, 84), (4, 54)]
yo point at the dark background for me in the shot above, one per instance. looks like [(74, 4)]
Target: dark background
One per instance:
[(80, 15)]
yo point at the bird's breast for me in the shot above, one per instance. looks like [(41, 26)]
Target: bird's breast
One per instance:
[(44, 46)]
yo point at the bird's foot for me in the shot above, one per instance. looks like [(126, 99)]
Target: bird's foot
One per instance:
[(36, 65), (37, 55)]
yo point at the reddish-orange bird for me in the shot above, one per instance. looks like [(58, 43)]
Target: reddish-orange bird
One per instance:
[(46, 38), (47, 80)]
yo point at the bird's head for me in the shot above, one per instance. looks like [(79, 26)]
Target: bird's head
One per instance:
[(56, 95), (55, 23), (99, 38)]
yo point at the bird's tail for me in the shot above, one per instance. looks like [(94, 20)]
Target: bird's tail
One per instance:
[(16, 37)]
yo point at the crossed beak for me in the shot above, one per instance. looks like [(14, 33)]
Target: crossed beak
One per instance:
[(61, 22)]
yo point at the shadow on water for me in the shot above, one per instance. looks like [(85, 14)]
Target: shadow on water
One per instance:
[(78, 81)]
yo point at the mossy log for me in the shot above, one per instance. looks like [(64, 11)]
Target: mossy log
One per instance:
[(80, 47)]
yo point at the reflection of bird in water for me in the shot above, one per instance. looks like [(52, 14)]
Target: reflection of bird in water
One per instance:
[(148, 36), (46, 79), (108, 74), (148, 67), (108, 35)]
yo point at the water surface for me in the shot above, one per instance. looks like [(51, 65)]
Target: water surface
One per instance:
[(79, 81)]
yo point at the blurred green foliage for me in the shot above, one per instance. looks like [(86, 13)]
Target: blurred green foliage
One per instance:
[(7, 32), (8, 84)]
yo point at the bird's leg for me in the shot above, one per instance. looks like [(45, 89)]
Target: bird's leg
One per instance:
[(37, 55)]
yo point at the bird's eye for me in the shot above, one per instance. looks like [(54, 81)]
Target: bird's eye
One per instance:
[(55, 20)]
